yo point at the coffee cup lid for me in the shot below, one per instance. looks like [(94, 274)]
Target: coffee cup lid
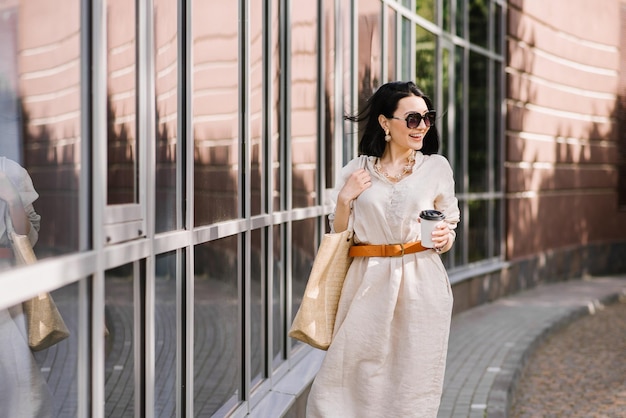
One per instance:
[(432, 215)]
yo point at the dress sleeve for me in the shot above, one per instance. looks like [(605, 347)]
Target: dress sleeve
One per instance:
[(24, 185)]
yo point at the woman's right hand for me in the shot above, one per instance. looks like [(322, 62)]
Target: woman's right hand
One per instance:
[(358, 182)]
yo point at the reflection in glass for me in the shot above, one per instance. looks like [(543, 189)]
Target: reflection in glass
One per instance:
[(498, 33), (47, 378), (426, 9), (275, 115), (40, 111), (278, 286), (166, 96), (479, 22), (460, 112), (258, 283), (460, 17), (303, 98), (405, 66), (119, 361), (425, 64), (303, 253), (392, 44), (498, 137), (477, 148), (217, 368), (443, 106), (447, 15), (329, 94), (215, 103), (121, 103), (255, 100), (165, 332), (370, 64), (478, 235)]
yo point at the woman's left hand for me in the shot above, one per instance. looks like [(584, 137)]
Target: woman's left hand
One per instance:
[(441, 236)]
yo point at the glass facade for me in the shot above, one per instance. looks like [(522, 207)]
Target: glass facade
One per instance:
[(182, 153)]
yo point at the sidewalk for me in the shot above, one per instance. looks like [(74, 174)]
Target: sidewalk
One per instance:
[(489, 344)]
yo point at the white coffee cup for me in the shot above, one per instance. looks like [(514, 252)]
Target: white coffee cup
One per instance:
[(428, 220)]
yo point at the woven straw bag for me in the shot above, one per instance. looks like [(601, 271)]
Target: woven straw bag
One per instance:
[(315, 320)]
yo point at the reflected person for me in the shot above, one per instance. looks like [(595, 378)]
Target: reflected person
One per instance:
[(23, 390)]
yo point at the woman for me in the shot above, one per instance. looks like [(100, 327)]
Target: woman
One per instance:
[(23, 389), (388, 354)]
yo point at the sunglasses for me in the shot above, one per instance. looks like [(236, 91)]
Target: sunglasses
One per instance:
[(413, 120)]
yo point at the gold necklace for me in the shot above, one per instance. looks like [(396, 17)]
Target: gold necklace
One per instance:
[(407, 168)]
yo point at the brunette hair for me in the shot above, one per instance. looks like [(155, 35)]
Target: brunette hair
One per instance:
[(385, 102)]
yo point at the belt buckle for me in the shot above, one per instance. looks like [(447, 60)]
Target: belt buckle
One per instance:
[(401, 253)]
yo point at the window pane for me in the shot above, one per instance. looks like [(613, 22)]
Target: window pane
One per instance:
[(442, 107), (276, 116), (119, 362), (122, 170), (216, 327), (460, 17), (257, 192), (258, 283), (479, 22), (278, 296), (460, 112), (329, 94), (478, 132), (447, 12), (406, 48), (215, 51), (426, 9), (498, 135), (478, 239), (39, 383), (369, 52), (40, 118), (166, 86), (498, 32), (303, 97), (167, 283), (303, 253), (425, 63), (392, 43)]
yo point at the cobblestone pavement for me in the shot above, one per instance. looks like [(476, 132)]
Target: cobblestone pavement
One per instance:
[(579, 371)]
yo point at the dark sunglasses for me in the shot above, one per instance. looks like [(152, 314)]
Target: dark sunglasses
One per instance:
[(413, 120)]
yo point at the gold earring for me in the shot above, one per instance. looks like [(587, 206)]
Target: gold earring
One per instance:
[(387, 136)]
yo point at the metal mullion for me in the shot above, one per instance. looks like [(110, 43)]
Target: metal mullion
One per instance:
[(99, 189), (268, 174), (187, 308), (147, 134), (339, 128), (465, 163), (244, 199), (501, 116), (285, 166), (84, 210), (321, 104)]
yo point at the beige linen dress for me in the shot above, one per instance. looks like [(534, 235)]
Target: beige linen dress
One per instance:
[(388, 355)]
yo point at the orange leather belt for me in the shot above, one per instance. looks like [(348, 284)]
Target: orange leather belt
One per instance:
[(6, 253), (383, 250)]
